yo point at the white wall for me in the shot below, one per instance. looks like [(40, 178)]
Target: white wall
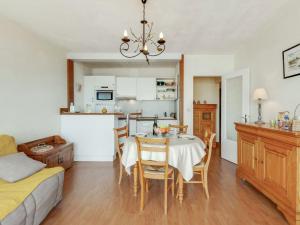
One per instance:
[(263, 55), (32, 84), (207, 89), (201, 65)]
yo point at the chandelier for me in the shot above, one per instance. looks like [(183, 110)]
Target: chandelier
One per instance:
[(132, 47)]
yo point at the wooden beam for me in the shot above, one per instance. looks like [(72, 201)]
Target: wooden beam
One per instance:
[(70, 81), (181, 90)]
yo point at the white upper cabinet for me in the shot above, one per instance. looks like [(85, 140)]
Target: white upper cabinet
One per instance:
[(146, 88), (126, 87), (92, 83)]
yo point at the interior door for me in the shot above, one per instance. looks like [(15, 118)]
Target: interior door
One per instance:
[(235, 105)]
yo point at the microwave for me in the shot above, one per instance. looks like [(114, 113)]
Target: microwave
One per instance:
[(104, 95)]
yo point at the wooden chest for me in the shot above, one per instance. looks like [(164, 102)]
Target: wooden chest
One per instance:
[(204, 120), (61, 154)]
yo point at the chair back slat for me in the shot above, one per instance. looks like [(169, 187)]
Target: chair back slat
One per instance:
[(153, 145), (181, 128), (153, 149), (120, 133), (153, 163)]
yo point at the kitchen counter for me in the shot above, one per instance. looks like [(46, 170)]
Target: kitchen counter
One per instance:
[(84, 113), (146, 118), (91, 133)]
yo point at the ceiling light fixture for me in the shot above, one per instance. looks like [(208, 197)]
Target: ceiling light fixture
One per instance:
[(139, 43)]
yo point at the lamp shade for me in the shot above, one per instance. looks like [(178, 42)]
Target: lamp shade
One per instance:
[(260, 94)]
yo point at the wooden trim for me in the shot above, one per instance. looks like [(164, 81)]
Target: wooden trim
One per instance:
[(63, 110), (181, 90), (70, 81)]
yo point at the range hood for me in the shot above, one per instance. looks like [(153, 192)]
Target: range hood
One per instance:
[(126, 97)]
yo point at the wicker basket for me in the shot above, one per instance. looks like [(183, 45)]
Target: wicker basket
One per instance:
[(296, 125)]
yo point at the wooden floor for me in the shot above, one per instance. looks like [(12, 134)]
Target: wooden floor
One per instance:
[(92, 196)]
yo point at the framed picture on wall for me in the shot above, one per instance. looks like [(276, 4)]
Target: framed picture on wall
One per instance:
[(291, 62)]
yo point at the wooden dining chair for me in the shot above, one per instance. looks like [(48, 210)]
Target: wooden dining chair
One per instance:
[(158, 170), (202, 168), (120, 133), (181, 128)]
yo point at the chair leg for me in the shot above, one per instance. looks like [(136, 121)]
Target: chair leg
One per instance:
[(121, 172), (166, 197), (205, 185), (147, 185), (142, 181), (173, 184)]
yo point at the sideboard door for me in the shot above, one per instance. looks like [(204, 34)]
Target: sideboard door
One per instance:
[(247, 156), (275, 162)]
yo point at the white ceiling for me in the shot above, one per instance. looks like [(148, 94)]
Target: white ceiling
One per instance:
[(189, 26)]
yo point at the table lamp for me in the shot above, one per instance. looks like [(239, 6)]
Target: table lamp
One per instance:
[(259, 95)]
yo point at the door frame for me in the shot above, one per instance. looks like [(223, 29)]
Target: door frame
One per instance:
[(219, 119), (231, 155)]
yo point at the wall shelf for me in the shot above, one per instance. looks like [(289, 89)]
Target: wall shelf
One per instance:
[(166, 89)]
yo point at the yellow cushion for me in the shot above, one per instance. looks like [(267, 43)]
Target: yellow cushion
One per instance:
[(7, 145)]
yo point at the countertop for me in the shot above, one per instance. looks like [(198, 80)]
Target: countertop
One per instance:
[(146, 118), (121, 116), (267, 127), (83, 113)]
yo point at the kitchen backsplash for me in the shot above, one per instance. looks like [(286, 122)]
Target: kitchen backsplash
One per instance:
[(149, 108)]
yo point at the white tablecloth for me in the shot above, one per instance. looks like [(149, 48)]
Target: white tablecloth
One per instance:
[(183, 155)]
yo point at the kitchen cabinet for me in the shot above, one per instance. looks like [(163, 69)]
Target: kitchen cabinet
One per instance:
[(93, 83), (132, 127), (126, 87), (145, 126), (146, 88), (166, 122), (268, 158)]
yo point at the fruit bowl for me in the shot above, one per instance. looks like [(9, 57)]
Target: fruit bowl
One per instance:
[(164, 130)]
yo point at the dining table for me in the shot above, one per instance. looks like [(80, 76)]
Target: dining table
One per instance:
[(185, 151)]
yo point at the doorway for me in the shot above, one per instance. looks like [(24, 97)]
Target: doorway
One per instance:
[(207, 107)]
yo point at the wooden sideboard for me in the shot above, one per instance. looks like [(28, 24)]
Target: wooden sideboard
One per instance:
[(204, 120), (269, 159), (62, 153)]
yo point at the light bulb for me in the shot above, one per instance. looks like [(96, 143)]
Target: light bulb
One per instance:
[(161, 35), (146, 48), (125, 33)]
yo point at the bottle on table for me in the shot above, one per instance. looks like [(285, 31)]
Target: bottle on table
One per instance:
[(155, 127)]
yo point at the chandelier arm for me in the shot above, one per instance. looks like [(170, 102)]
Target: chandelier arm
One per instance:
[(154, 43), (138, 47), (133, 34), (160, 52), (150, 30), (125, 49)]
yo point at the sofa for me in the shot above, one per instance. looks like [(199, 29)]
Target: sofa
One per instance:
[(39, 201)]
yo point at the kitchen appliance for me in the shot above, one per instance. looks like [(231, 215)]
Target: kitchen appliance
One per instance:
[(104, 95)]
